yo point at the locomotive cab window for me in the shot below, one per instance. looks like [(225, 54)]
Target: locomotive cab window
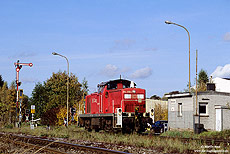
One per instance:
[(126, 86), (112, 86)]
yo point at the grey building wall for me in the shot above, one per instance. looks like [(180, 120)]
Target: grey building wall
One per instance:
[(175, 120), (226, 119), (187, 120), (212, 99)]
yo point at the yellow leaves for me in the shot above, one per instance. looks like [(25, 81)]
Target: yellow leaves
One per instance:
[(161, 113), (202, 87), (61, 115), (7, 102)]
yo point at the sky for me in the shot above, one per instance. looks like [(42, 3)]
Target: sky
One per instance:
[(104, 39)]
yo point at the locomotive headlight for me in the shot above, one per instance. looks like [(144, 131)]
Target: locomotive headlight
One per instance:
[(129, 114), (144, 114), (127, 96), (140, 96)]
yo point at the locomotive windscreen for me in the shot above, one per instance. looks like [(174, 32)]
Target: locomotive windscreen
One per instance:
[(112, 84)]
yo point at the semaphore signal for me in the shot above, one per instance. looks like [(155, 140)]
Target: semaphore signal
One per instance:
[(18, 68)]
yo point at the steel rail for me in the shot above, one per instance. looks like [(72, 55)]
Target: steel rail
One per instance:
[(65, 145), (30, 146)]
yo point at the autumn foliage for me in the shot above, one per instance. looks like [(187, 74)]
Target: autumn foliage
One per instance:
[(51, 98), (161, 112)]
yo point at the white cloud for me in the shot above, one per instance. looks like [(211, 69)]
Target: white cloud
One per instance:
[(113, 71), (227, 36), (142, 73), (222, 71), (110, 70)]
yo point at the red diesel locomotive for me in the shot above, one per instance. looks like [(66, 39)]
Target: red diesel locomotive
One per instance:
[(118, 105)]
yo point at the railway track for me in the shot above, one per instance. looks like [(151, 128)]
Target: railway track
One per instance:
[(52, 146)]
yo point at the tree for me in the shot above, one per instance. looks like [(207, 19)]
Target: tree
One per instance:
[(4, 106), (56, 89), (80, 107), (7, 103), (85, 86), (161, 113), (50, 97), (12, 94), (155, 97), (202, 80), (1, 81), (39, 99)]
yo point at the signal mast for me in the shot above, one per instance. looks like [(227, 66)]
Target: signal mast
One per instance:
[(19, 96)]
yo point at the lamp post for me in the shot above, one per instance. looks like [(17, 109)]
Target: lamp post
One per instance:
[(169, 22), (67, 118)]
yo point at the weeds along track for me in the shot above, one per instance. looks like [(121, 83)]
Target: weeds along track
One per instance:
[(208, 141), (39, 145)]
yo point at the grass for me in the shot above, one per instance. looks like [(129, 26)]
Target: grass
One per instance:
[(150, 142), (189, 134), (179, 134)]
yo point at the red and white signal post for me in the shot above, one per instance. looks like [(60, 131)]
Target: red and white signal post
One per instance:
[(19, 100)]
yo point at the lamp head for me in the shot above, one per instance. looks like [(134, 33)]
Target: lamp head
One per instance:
[(168, 22), (54, 53)]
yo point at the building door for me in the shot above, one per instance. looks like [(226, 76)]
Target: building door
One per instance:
[(219, 121)]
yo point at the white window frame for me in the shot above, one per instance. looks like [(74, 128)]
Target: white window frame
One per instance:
[(203, 104), (179, 109)]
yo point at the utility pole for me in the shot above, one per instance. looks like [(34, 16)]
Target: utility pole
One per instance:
[(18, 67)]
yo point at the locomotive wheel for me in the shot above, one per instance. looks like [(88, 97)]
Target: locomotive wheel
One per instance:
[(96, 128), (88, 125), (127, 129), (89, 130), (108, 125), (137, 125), (128, 125)]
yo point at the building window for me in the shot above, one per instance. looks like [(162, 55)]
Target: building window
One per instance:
[(203, 108), (173, 101), (180, 109)]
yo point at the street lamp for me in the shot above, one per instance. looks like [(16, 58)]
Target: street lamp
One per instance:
[(54, 53), (169, 22)]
